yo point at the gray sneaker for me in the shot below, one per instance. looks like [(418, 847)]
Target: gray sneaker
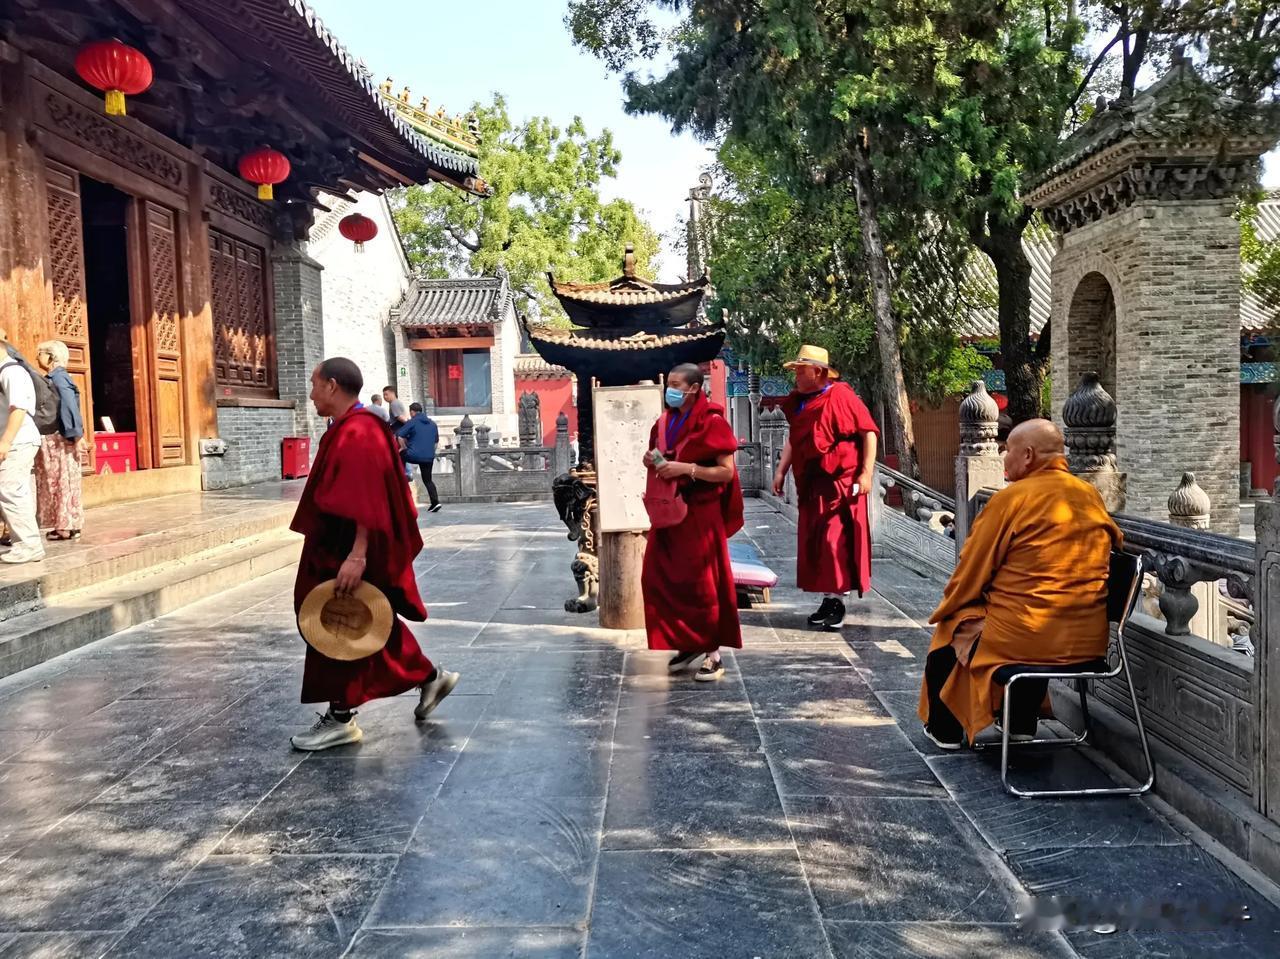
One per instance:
[(327, 733), (434, 692)]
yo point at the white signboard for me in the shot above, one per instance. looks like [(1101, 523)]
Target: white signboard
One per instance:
[(624, 415)]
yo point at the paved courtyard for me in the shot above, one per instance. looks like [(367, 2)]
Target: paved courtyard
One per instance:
[(569, 800)]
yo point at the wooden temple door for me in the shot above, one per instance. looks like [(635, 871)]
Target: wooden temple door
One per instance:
[(66, 270), (158, 340)]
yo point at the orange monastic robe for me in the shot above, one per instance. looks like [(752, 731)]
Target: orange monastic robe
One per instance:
[(1035, 565)]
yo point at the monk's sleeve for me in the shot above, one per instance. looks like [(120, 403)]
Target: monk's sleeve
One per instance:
[(720, 438), (984, 551), (355, 485)]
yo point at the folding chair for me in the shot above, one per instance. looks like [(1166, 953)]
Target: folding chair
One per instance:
[(1123, 586)]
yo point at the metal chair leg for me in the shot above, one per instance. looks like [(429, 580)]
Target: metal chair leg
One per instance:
[(1086, 728)]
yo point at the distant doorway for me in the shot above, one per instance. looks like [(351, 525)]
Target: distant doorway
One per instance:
[(106, 267)]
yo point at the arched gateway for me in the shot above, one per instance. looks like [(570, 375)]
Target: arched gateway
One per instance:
[(1146, 280)]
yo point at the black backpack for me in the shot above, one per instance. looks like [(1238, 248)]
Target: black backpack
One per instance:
[(46, 415)]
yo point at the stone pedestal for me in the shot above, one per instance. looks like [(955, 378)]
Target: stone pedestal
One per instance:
[(979, 465), (621, 561)]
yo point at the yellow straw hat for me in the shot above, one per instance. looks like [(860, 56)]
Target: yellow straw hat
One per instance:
[(345, 627), (813, 356)]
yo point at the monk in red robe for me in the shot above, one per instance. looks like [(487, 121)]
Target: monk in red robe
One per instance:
[(360, 524), (831, 449), (690, 601)]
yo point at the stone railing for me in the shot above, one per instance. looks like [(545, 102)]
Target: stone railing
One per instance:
[(753, 472), (474, 471), (920, 533)]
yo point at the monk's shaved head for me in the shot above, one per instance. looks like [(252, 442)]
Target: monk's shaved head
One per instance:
[(1031, 445)]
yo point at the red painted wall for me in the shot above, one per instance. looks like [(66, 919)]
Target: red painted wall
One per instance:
[(556, 397), (1257, 436)]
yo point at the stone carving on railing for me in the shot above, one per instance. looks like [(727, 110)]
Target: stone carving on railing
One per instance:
[(978, 466), (918, 535), (750, 463), (483, 434), (1089, 416)]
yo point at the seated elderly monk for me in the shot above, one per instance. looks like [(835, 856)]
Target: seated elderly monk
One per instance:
[(1030, 587)]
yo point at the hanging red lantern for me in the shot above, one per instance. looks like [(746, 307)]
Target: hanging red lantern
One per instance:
[(358, 228), (265, 167), (116, 69)]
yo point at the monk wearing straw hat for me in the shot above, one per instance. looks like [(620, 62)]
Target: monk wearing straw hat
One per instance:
[(355, 577), (831, 449)]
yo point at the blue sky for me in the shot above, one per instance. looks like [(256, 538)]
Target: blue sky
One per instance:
[(458, 54)]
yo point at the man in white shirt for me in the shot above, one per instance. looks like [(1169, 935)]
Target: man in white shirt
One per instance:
[(376, 407), (19, 443)]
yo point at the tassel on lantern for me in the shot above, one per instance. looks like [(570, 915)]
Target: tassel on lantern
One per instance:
[(265, 192), (115, 103)]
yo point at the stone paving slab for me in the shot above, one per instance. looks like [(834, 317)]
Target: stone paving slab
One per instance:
[(571, 799)]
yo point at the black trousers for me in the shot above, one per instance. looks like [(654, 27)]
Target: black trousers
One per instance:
[(1024, 707), (425, 470)]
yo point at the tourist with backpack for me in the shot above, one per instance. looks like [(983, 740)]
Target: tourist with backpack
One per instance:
[(19, 443), (59, 506)]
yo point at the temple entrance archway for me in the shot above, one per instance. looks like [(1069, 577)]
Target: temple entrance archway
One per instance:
[(1091, 319)]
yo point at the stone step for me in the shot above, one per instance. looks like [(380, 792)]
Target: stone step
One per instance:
[(73, 618), (127, 549)]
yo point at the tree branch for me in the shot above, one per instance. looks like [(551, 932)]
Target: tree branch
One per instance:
[(1093, 68), (472, 245)]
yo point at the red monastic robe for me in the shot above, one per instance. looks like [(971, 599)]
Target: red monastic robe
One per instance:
[(834, 552), (690, 601), (358, 479)]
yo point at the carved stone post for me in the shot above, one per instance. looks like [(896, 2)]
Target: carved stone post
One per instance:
[(482, 436), (1266, 644), (530, 419), (979, 464), (753, 404), (468, 459), (1275, 422), (564, 448), (1090, 419), (1181, 598)]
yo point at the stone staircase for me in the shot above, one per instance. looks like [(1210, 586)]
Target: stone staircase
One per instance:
[(140, 560)]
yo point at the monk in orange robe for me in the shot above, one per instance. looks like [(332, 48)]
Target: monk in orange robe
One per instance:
[(360, 523), (831, 448), (1030, 587)]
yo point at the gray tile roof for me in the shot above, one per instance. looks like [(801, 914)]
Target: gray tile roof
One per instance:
[(455, 302), (982, 322)]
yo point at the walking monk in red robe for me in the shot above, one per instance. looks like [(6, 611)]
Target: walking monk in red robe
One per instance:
[(690, 601), (831, 449), (360, 524)]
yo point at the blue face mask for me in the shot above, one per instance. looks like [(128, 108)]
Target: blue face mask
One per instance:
[(675, 397)]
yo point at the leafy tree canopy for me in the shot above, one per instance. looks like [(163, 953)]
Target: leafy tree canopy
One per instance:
[(545, 213)]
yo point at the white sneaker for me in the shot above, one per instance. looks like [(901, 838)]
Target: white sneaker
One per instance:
[(328, 732), (434, 692), (23, 554)]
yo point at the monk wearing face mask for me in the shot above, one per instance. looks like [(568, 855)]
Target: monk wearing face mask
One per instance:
[(1030, 587), (690, 601)]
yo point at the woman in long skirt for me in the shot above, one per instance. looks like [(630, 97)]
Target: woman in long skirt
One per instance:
[(690, 602), (59, 506)]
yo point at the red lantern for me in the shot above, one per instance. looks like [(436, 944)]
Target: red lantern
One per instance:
[(265, 167), (358, 228), (116, 69)]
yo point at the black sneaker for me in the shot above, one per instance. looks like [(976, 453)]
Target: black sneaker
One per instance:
[(434, 509), (682, 661), (820, 617), (835, 615), (711, 670), (944, 742)]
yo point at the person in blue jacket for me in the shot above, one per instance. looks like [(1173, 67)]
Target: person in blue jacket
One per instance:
[(419, 437)]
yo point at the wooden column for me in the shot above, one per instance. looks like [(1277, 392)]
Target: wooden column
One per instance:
[(621, 561)]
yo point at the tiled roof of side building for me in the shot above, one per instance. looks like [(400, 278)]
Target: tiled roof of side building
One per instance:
[(458, 302)]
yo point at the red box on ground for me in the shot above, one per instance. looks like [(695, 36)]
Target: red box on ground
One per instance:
[(295, 456), (115, 452)]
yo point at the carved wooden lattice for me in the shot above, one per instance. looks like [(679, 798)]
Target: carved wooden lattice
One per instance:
[(243, 355), (168, 441)]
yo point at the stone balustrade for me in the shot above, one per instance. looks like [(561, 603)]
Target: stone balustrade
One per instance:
[(474, 470)]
